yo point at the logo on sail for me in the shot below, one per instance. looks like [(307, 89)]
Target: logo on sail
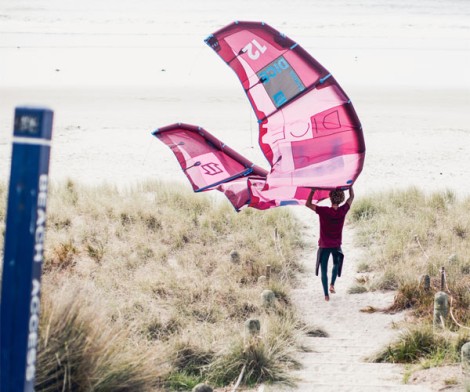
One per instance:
[(211, 168)]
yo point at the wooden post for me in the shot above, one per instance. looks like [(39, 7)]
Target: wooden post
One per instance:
[(441, 309), (465, 357), (251, 268), (443, 279), (427, 282), (268, 272)]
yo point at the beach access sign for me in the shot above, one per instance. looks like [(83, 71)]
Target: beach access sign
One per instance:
[(24, 248)]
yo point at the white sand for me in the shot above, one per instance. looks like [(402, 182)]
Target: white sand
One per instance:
[(114, 70)]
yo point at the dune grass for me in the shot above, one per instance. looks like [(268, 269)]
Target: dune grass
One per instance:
[(140, 292), (408, 234), (420, 344)]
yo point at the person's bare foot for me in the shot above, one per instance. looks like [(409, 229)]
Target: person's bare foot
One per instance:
[(332, 289), (327, 298)]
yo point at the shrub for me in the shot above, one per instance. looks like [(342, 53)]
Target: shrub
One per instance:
[(413, 345), (262, 361)]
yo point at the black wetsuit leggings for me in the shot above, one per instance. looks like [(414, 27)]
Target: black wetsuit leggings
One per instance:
[(323, 255)]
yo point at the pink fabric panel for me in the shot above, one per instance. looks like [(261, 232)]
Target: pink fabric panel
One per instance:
[(257, 53), (262, 198), (302, 120), (204, 159), (236, 192), (214, 167), (308, 69), (259, 199), (336, 172)]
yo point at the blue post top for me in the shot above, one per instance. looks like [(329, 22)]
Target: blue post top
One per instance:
[(33, 122)]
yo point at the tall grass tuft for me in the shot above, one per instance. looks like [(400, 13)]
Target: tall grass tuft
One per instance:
[(260, 361), (78, 350), (420, 344), (268, 357)]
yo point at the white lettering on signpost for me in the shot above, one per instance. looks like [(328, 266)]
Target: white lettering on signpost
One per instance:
[(33, 331), (35, 302), (41, 219)]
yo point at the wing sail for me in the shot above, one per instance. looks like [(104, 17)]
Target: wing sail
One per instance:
[(308, 128), (309, 131), (208, 163)]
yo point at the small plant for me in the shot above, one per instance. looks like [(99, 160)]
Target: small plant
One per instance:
[(260, 361), (357, 289), (279, 291), (63, 257), (363, 267), (95, 249), (451, 381), (189, 365), (182, 381), (411, 295), (416, 345), (316, 332)]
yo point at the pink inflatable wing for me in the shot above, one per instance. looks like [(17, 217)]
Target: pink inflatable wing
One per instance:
[(308, 128), (208, 163), (261, 197)]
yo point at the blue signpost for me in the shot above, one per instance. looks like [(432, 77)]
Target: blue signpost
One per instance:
[(24, 246)]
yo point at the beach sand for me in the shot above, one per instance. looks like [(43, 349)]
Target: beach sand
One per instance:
[(114, 71)]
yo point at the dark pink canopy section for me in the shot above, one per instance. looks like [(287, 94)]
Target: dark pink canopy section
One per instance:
[(208, 163), (308, 128)]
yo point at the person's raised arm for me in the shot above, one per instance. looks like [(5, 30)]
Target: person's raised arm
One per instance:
[(309, 203), (351, 196)]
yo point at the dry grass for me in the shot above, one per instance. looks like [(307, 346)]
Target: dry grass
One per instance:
[(150, 269), (78, 351), (421, 345), (409, 234)]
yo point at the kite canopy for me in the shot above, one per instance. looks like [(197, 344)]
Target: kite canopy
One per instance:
[(210, 164), (308, 129)]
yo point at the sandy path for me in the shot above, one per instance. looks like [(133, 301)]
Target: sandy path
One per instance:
[(337, 363)]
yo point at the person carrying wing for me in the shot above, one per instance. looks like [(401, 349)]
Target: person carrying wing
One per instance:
[(331, 230)]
